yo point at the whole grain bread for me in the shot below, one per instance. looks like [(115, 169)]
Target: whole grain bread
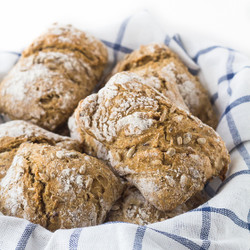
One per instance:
[(166, 152), (166, 72), (14, 133), (133, 208), (58, 188), (54, 73)]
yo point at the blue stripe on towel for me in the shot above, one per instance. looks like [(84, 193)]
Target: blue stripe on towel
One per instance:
[(74, 238), (237, 102), (117, 47), (226, 77), (206, 50), (167, 40), (230, 76), (178, 40), (237, 139), (183, 241), (233, 129), (230, 61), (25, 236), (119, 39), (227, 213), (206, 215), (205, 229), (242, 172), (139, 235), (11, 52), (230, 121)]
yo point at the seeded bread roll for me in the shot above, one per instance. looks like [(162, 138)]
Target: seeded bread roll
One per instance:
[(14, 133), (133, 208), (163, 68), (58, 188), (53, 74), (163, 150)]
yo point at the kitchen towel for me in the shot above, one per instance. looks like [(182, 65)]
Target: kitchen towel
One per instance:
[(221, 223)]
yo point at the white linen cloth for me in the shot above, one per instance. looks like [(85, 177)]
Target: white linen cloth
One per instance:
[(221, 223)]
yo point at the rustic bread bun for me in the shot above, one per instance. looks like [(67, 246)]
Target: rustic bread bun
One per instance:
[(163, 68), (14, 133), (163, 150), (58, 188), (53, 74), (133, 208)]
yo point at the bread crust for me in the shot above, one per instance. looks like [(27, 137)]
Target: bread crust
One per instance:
[(157, 63), (133, 208), (166, 152), (53, 74), (58, 188), (14, 133)]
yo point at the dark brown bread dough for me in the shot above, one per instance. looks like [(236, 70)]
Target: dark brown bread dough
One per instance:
[(58, 188), (54, 73)]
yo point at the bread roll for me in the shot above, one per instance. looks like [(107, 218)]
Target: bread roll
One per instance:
[(163, 150), (54, 73), (58, 188), (163, 68), (133, 208), (14, 133)]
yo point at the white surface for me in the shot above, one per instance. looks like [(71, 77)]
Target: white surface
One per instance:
[(225, 21)]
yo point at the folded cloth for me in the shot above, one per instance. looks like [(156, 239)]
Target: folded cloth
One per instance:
[(221, 223)]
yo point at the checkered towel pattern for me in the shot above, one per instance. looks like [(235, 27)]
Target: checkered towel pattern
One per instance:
[(221, 223)]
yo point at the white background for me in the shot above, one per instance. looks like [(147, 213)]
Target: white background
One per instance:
[(225, 21)]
